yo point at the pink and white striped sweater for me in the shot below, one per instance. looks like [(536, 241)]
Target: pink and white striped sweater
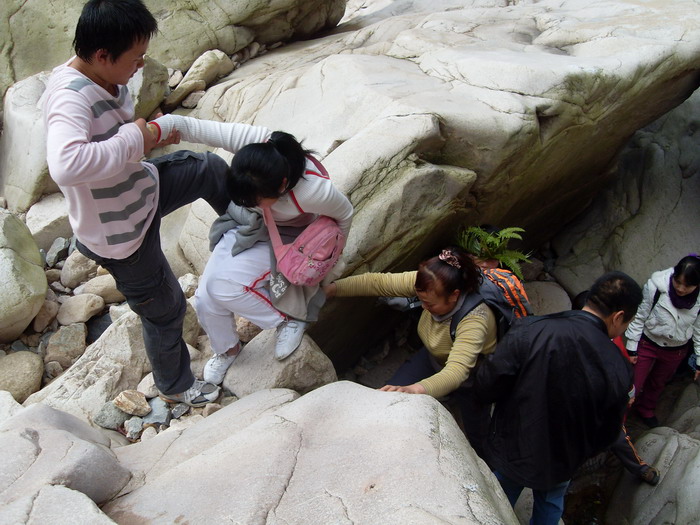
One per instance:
[(94, 153)]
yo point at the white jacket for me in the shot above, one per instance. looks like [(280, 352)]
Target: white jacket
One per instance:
[(665, 325)]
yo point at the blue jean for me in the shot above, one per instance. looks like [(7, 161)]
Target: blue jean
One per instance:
[(548, 504), (145, 277)]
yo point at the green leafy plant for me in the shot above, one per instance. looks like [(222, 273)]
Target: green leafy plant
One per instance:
[(494, 245)]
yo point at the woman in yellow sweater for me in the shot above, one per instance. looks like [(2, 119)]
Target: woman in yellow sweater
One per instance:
[(442, 366)]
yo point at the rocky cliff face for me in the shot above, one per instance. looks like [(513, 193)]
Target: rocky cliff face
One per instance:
[(429, 115)]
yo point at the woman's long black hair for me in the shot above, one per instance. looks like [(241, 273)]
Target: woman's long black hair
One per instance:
[(258, 170)]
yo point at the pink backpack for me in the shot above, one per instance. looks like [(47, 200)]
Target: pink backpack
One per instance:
[(309, 258)]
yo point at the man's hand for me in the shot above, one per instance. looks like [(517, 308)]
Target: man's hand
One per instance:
[(149, 141), (415, 388), (633, 359), (697, 375)]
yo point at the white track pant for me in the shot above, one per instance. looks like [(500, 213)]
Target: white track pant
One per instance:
[(235, 285)]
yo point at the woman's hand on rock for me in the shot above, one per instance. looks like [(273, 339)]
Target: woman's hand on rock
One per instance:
[(415, 388)]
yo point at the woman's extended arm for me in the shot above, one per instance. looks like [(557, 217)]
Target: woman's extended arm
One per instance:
[(230, 136)]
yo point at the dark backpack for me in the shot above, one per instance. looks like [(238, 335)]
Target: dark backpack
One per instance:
[(503, 292)]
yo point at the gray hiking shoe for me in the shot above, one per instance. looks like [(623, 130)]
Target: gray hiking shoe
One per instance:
[(198, 395)]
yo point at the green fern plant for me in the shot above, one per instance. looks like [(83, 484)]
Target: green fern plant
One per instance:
[(486, 245)]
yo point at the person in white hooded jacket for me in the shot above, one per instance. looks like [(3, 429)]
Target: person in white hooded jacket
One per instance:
[(664, 330)]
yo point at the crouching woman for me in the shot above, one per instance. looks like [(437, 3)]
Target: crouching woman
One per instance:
[(443, 365)]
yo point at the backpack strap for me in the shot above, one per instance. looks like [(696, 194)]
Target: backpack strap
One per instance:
[(272, 228), (471, 301), (319, 167), (657, 294)]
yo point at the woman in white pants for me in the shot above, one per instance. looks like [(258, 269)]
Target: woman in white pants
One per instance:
[(267, 170)]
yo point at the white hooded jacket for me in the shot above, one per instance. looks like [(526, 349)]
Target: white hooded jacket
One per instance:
[(664, 324)]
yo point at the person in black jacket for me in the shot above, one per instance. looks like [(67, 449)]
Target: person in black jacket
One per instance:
[(560, 388)]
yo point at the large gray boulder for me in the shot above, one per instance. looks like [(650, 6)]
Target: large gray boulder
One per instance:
[(23, 285), (462, 113), (40, 446), (48, 218), (20, 374), (57, 505), (257, 369), (646, 219), (469, 111), (24, 174), (342, 453), (115, 362), (185, 32)]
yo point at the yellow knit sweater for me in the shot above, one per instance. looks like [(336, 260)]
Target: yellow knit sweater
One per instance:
[(475, 334)]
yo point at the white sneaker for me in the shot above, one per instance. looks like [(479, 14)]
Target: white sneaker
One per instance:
[(289, 335), (198, 395), (216, 367)]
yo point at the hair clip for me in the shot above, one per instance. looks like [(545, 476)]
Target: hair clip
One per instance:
[(450, 258)]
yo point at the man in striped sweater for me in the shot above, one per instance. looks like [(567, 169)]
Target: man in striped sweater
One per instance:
[(95, 152)]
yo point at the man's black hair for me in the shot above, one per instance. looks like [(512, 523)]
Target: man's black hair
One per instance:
[(113, 25), (613, 292)]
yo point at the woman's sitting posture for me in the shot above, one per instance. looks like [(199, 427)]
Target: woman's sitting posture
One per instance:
[(442, 366)]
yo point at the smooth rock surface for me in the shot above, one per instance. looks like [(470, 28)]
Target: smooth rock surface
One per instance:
[(66, 345), (8, 405), (673, 500), (77, 269), (103, 285), (547, 297), (644, 220), (287, 454), (115, 362), (24, 175), (41, 446), (257, 369), (23, 285), (57, 505), (48, 219), (79, 308), (20, 374)]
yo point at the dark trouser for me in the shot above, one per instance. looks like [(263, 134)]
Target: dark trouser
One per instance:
[(655, 367), (627, 454), (475, 415), (145, 277)]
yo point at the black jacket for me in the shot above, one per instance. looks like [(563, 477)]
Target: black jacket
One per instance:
[(560, 388)]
